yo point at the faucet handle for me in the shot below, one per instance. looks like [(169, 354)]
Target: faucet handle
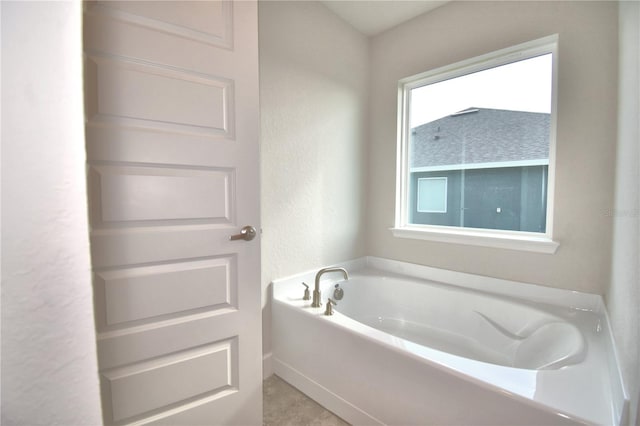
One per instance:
[(338, 293), (330, 305), (306, 292)]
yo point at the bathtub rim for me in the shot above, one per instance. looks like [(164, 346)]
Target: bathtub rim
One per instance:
[(525, 292)]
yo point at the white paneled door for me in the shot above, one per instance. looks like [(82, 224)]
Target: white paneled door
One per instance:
[(172, 146)]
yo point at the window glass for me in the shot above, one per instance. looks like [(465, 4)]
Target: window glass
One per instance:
[(477, 144)]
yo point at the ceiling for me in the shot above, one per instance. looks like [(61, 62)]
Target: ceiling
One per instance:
[(371, 17)]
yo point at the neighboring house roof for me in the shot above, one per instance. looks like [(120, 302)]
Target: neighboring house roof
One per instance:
[(480, 135)]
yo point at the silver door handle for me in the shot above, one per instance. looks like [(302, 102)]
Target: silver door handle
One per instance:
[(247, 233)]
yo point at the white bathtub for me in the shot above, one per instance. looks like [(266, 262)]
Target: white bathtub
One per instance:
[(405, 349)]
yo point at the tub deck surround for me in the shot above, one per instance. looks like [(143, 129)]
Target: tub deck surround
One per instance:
[(435, 353)]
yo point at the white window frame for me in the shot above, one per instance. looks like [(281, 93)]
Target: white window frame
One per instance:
[(515, 240), (446, 189)]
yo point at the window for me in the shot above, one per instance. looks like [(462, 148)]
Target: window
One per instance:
[(432, 195), (475, 150)]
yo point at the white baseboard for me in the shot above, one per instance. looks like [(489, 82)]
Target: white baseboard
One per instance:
[(323, 396), (267, 365)]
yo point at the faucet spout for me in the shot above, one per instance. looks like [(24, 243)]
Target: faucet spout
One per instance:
[(316, 291)]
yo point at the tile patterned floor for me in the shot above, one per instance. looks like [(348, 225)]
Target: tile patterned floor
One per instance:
[(285, 405)]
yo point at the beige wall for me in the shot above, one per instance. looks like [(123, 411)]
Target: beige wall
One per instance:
[(313, 95), (623, 296), (586, 134)]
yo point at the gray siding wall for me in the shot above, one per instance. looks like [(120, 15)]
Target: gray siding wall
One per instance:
[(510, 198)]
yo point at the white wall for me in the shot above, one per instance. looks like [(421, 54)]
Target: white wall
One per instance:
[(49, 365), (313, 95), (623, 296), (585, 138)]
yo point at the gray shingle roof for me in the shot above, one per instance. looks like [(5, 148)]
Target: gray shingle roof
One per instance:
[(480, 136)]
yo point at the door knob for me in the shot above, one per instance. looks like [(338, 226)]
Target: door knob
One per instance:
[(247, 233)]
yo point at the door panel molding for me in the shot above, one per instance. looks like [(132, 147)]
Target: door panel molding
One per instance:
[(128, 296), (139, 196), (198, 372), (219, 33), (155, 95)]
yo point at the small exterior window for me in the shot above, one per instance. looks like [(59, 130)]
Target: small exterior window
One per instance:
[(476, 148), (432, 195)]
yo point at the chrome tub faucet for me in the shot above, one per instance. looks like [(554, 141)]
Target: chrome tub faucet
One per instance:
[(316, 291)]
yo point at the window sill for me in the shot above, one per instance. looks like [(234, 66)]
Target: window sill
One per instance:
[(527, 242)]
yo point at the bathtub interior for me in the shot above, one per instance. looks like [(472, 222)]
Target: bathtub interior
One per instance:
[(552, 347), (490, 329)]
